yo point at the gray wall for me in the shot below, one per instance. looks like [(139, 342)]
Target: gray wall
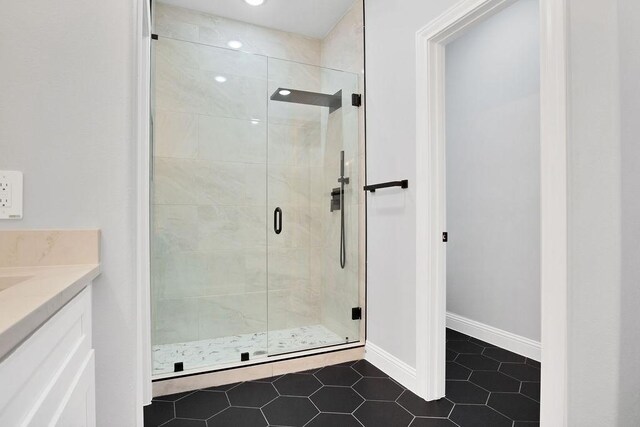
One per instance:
[(493, 172), (629, 375), (66, 121)]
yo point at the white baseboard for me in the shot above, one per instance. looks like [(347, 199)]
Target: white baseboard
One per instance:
[(391, 365), (512, 342)]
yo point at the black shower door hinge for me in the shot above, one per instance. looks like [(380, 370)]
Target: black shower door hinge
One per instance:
[(356, 100), (154, 36), (445, 237), (356, 313)]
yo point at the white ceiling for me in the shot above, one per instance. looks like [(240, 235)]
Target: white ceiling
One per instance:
[(313, 18)]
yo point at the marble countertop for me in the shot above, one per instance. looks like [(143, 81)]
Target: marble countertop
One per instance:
[(41, 271), (30, 295)]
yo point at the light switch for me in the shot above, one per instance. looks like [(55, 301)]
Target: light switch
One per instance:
[(10, 195)]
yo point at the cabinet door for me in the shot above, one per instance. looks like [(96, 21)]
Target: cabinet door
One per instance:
[(43, 376), (78, 409)]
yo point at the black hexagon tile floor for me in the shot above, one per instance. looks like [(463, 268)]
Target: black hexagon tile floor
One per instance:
[(486, 387)]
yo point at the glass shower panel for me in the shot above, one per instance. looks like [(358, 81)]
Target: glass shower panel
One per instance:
[(312, 126), (209, 222)]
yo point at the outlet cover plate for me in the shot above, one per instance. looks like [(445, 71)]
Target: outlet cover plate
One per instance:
[(10, 195)]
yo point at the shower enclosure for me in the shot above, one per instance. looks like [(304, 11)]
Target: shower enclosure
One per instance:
[(255, 207)]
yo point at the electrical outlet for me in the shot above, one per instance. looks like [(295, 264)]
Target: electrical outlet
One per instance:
[(5, 194), (10, 195)]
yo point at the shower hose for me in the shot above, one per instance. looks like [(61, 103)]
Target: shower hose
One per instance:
[(343, 251), (343, 180)]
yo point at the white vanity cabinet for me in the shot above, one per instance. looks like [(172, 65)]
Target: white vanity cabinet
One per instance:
[(49, 379)]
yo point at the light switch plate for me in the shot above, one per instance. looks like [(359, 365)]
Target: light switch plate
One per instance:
[(10, 195)]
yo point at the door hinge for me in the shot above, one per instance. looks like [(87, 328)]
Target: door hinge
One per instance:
[(356, 100), (178, 367), (356, 313), (154, 36), (445, 237), (244, 357)]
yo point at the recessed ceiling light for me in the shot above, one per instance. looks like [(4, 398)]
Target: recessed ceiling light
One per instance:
[(220, 79), (285, 92), (234, 44), (254, 2)]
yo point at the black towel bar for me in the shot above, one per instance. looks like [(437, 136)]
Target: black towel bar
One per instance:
[(372, 188)]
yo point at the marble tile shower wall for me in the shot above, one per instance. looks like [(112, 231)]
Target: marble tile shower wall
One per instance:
[(210, 179), (189, 25)]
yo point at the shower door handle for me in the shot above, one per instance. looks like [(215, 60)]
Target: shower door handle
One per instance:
[(277, 220)]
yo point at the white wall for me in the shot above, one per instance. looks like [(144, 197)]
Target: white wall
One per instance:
[(593, 214), (390, 28), (629, 375), (604, 160), (66, 122), (493, 171)]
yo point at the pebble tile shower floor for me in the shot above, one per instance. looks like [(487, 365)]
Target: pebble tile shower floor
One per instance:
[(212, 352), (486, 387)]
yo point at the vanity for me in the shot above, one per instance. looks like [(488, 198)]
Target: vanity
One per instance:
[(46, 354)]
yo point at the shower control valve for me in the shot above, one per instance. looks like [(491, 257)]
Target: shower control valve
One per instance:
[(335, 199)]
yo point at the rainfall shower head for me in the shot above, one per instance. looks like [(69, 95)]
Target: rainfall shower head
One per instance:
[(334, 102)]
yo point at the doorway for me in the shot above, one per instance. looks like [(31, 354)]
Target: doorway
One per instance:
[(492, 203), (432, 174)]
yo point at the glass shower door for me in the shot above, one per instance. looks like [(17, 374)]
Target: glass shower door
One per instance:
[(255, 246), (209, 224), (312, 142)]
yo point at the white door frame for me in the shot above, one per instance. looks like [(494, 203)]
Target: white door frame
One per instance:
[(142, 136), (430, 198)]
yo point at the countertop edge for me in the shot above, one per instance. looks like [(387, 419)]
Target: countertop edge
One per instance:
[(20, 331)]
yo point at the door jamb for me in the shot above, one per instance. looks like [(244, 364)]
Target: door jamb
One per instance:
[(142, 133)]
